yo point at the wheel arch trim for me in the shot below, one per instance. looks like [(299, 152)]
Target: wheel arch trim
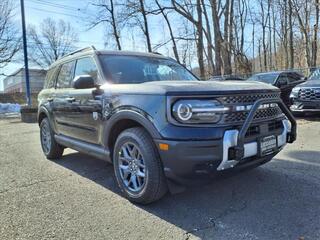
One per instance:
[(140, 117)]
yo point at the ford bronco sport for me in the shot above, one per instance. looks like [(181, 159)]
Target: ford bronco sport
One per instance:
[(156, 122)]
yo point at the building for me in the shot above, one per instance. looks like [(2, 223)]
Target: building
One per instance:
[(16, 81)]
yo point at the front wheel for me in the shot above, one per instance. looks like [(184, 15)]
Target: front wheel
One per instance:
[(50, 147), (137, 167)]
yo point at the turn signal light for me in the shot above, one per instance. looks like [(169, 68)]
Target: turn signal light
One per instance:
[(164, 146)]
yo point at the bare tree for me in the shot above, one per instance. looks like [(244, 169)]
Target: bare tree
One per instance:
[(10, 41), (136, 12), (164, 12), (314, 44), (291, 49), (186, 9), (303, 11), (51, 41), (107, 14)]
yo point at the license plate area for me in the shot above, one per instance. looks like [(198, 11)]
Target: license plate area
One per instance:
[(268, 145)]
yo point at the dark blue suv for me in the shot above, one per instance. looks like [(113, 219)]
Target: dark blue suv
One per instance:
[(156, 122)]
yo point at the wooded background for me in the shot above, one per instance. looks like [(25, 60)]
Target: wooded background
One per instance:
[(211, 37)]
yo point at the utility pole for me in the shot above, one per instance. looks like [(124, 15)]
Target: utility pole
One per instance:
[(25, 53)]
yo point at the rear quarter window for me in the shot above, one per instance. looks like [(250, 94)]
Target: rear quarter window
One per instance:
[(65, 75), (50, 78)]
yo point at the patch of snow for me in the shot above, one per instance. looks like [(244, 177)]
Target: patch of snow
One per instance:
[(9, 108)]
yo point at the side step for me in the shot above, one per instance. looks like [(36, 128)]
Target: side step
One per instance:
[(84, 147)]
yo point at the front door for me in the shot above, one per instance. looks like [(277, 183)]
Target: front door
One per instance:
[(84, 111)]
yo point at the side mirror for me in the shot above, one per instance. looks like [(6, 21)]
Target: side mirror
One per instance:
[(83, 82)]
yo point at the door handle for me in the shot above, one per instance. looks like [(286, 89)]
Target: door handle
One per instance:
[(70, 99)]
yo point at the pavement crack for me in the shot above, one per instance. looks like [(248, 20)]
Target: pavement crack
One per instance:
[(213, 222), (27, 185)]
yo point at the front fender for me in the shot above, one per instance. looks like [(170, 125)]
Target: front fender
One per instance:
[(136, 115), (43, 110)]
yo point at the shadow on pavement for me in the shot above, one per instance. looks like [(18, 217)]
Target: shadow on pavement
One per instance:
[(274, 201)]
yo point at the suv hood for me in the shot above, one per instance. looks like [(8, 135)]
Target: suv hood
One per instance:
[(310, 83), (191, 87)]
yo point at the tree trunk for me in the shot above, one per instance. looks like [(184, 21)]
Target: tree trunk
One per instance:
[(285, 41), (315, 36), (274, 37), (226, 54), (217, 36), (271, 66), (146, 27), (291, 48), (114, 25), (200, 40), (211, 65), (174, 44)]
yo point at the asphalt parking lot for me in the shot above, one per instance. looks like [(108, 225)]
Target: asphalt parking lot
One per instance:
[(76, 197)]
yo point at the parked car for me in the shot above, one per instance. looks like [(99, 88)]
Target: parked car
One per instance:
[(285, 80), (226, 78), (306, 96), (156, 122)]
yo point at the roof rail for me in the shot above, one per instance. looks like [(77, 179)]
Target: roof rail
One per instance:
[(80, 50)]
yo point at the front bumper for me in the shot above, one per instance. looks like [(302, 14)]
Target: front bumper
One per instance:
[(191, 161), (186, 161), (305, 106)]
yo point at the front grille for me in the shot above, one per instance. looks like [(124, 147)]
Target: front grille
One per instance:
[(309, 94), (261, 114), (249, 99), (269, 127), (252, 131), (275, 126)]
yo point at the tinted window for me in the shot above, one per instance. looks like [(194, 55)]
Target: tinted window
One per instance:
[(294, 77), (315, 75), (266, 78), (139, 69), (50, 78), (283, 78), (86, 66), (65, 75)]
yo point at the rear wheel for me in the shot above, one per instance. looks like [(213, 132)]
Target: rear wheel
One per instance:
[(137, 167), (50, 147)]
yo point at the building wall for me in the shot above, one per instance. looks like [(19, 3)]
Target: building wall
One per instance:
[(16, 82)]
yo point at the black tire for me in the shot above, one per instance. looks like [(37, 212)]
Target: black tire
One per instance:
[(154, 184), (52, 150)]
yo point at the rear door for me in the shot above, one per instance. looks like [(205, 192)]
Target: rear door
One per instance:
[(61, 98), (84, 111)]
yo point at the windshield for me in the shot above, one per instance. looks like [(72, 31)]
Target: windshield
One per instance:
[(315, 75), (266, 78), (139, 69)]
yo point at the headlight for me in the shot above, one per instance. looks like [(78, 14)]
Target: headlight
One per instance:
[(198, 111), (295, 92)]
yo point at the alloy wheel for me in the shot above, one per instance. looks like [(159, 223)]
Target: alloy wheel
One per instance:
[(132, 167)]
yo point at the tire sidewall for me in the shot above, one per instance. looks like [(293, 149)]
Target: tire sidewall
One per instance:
[(147, 156), (43, 122)]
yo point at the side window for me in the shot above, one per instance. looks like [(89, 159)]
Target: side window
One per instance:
[(50, 78), (86, 66), (65, 75), (283, 79), (294, 77)]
